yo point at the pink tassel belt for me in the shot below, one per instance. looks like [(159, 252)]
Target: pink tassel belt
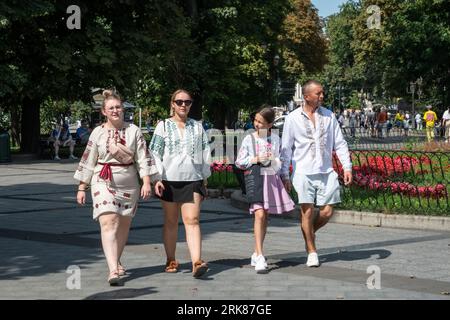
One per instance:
[(106, 173)]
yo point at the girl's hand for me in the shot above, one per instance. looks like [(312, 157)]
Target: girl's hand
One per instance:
[(287, 185), (146, 191), (159, 188)]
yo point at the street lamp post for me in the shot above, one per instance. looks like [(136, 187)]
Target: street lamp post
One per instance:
[(412, 91), (276, 61), (339, 88)]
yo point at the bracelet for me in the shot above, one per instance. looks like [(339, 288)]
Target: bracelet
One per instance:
[(87, 188)]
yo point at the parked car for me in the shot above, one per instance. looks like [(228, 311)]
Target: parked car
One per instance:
[(279, 123)]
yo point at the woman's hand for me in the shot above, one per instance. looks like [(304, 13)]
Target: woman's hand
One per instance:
[(81, 194), (159, 188), (146, 191), (81, 197)]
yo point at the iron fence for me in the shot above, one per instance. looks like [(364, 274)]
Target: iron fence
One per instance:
[(393, 139), (388, 175), (398, 181)]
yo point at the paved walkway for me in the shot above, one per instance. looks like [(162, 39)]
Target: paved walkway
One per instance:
[(45, 237)]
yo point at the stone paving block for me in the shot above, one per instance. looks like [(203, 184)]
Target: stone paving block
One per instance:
[(61, 234)]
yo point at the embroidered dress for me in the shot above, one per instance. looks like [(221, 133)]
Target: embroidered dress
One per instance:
[(115, 186), (276, 199), (181, 156)]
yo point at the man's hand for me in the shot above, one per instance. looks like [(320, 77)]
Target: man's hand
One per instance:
[(348, 177)]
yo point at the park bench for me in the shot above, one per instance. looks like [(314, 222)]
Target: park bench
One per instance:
[(46, 149)]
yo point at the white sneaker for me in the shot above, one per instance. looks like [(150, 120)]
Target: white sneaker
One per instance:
[(261, 264), (253, 260), (313, 260), (57, 158), (72, 157)]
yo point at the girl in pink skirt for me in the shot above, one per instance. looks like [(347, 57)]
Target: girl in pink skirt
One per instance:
[(262, 149)]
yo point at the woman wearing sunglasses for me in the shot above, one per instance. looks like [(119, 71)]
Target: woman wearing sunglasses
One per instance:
[(181, 150)]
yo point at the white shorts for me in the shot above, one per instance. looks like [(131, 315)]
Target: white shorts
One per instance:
[(319, 189)]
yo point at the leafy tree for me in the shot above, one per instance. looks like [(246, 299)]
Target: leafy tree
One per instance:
[(412, 41), (46, 59)]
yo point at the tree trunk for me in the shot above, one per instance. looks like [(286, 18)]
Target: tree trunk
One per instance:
[(231, 118), (15, 126), (196, 109), (31, 125), (219, 115), (193, 9)]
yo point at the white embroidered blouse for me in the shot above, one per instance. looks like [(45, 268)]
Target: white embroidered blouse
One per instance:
[(269, 146), (181, 156)]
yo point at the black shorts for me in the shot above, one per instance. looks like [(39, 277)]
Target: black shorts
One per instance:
[(182, 191)]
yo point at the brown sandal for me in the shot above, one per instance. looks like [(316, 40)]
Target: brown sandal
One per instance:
[(200, 268), (121, 270), (171, 266), (113, 278)]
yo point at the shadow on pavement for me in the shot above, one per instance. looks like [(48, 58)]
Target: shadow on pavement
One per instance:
[(355, 255), (122, 294), (137, 273), (331, 257)]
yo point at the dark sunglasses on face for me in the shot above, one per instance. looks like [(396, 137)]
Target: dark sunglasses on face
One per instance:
[(186, 102)]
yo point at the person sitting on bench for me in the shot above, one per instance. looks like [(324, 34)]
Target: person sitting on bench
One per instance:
[(62, 137)]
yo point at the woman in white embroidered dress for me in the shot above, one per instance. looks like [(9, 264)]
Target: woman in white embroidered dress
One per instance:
[(114, 185), (181, 150)]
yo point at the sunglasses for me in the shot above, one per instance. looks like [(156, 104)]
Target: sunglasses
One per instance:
[(186, 102)]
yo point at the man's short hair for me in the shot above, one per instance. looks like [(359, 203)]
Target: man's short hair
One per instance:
[(308, 84)]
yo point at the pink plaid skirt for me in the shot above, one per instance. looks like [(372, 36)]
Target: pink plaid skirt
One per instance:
[(276, 198)]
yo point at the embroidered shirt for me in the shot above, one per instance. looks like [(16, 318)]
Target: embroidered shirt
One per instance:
[(309, 147), (97, 150), (266, 146), (181, 156)]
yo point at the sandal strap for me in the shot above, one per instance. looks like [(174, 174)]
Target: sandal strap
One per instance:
[(173, 264), (199, 263)]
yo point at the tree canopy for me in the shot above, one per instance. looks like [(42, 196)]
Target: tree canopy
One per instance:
[(412, 41), (222, 51)]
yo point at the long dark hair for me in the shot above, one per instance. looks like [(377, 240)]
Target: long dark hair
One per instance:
[(267, 113)]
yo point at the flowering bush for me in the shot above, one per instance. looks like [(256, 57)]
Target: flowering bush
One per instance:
[(221, 166), (379, 173)]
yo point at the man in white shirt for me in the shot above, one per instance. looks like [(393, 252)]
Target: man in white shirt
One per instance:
[(311, 134), (446, 124), (419, 125)]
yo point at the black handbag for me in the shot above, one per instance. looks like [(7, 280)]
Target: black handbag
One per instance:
[(254, 182)]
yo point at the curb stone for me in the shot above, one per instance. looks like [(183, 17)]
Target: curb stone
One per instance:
[(372, 219)]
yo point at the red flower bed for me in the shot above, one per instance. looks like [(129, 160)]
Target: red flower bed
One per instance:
[(220, 166), (377, 172)]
